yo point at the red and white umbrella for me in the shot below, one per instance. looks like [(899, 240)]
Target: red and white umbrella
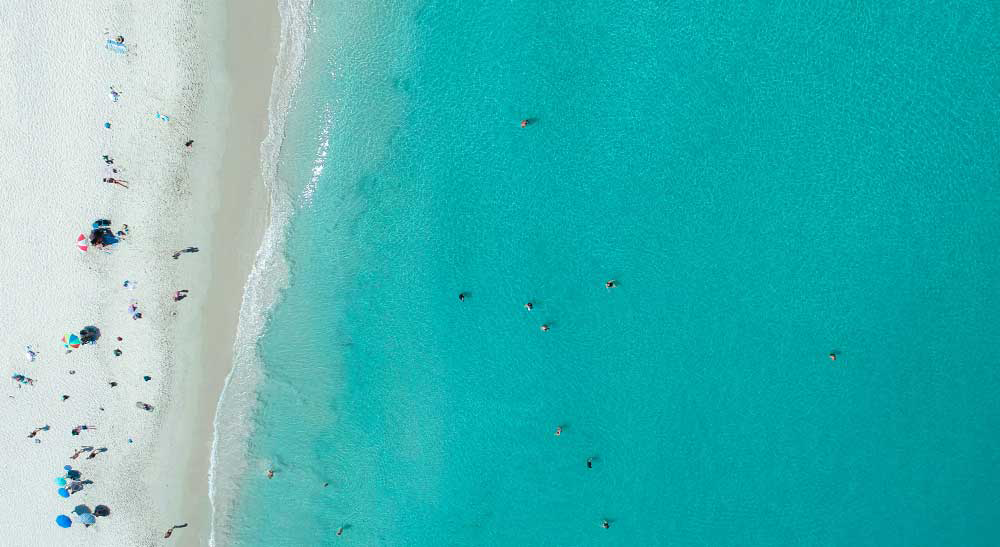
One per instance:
[(82, 243)]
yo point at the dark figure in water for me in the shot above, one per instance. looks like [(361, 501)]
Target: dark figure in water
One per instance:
[(590, 463), (461, 297), (606, 524)]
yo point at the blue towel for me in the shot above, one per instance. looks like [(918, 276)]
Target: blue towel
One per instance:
[(116, 47)]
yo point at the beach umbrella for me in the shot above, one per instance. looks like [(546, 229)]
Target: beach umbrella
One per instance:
[(60, 481), (87, 518), (63, 521), (63, 492), (67, 467), (102, 511), (82, 243), (71, 341)]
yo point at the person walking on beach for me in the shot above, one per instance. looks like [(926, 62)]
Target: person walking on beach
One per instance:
[(171, 530), (119, 182), (35, 432), (177, 254)]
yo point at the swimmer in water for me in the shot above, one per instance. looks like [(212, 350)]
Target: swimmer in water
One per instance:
[(558, 431), (606, 524), (545, 328), (610, 284), (529, 306), (833, 356), (461, 297), (524, 123), (590, 463), (340, 531), (270, 473)]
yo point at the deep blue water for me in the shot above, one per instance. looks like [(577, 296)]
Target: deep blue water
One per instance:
[(767, 184)]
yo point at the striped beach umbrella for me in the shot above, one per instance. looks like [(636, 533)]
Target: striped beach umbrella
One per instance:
[(71, 341), (82, 243)]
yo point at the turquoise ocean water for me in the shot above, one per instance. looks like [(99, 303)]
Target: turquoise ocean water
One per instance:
[(767, 183)]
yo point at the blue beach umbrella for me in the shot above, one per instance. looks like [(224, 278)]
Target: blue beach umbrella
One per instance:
[(63, 521), (63, 492), (67, 467), (88, 518), (60, 481)]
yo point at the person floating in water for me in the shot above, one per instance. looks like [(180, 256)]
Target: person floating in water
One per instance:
[(524, 123), (270, 473), (340, 531), (545, 328), (558, 431), (590, 463), (833, 356), (606, 524), (461, 297), (610, 284), (529, 306)]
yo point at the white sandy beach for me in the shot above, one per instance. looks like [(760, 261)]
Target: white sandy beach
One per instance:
[(56, 74)]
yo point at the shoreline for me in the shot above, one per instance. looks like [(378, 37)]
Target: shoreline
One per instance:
[(210, 74), (233, 199)]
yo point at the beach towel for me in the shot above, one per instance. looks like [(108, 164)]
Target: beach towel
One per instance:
[(116, 47)]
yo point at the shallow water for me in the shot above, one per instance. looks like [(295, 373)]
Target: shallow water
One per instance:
[(767, 185)]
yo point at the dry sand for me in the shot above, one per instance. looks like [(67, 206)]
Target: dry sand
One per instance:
[(182, 62)]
